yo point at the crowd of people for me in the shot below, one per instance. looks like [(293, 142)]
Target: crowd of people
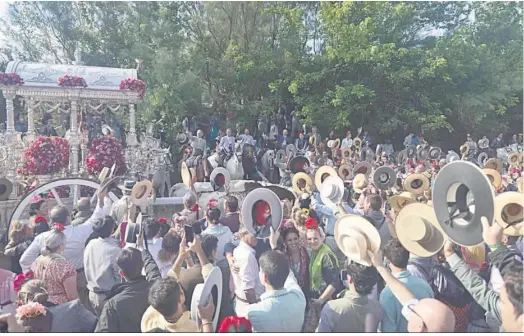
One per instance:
[(341, 267)]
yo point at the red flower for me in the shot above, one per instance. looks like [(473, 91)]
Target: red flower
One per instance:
[(71, 81), (311, 224), (213, 203), (195, 208), (162, 220), (132, 84), (58, 227), (39, 219), (235, 324), (20, 279)]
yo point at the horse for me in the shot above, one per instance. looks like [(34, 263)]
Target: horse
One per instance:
[(268, 166), (233, 165), (161, 175)]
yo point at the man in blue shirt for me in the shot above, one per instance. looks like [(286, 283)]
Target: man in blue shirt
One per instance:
[(397, 259)]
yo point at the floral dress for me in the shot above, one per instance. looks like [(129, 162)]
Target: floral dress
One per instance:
[(53, 271)]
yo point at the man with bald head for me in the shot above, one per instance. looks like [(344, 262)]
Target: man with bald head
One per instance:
[(424, 315), (82, 212)]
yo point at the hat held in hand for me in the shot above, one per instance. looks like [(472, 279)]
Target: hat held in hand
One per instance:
[(219, 178), (416, 183), (384, 177), (261, 209), (509, 212), (462, 195), (418, 230), (360, 182), (398, 202), (355, 236), (332, 190), (141, 192), (301, 183), (323, 173), (211, 289)]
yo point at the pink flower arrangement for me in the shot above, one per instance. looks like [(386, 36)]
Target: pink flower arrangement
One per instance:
[(133, 85), (105, 152), (31, 309), (10, 79), (45, 156), (71, 81)]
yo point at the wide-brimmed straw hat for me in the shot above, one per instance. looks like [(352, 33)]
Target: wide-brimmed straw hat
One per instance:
[(357, 142), (297, 178), (345, 172), (482, 158), (185, 174), (418, 230), (398, 202), (322, 173), (6, 187), (355, 236), (416, 183), (346, 153), (384, 177), (291, 150), (360, 182), (495, 164), (141, 192), (509, 212), (336, 143), (261, 209), (451, 157), (513, 159), (483, 143), (332, 190), (493, 176), (434, 153), (219, 178), (108, 184), (462, 195), (182, 138), (211, 289), (464, 149), (363, 167)]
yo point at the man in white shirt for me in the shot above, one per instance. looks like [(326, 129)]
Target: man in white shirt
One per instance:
[(407, 140), (347, 141), (246, 138), (247, 282), (282, 306), (226, 147), (76, 235)]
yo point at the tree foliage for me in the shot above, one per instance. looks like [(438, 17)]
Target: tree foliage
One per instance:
[(431, 67)]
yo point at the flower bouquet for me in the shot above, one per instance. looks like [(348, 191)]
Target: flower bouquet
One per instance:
[(10, 79), (31, 309), (105, 152), (71, 81), (45, 156), (133, 85)]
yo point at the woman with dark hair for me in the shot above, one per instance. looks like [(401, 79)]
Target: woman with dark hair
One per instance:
[(37, 207), (222, 232), (169, 252), (101, 269), (298, 258)]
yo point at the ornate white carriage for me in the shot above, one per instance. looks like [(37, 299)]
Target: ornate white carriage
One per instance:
[(41, 93)]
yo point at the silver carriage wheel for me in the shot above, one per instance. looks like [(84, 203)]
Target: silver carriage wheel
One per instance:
[(74, 185)]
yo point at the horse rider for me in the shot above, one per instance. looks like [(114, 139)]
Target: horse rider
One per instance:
[(514, 140), (318, 138), (498, 142), (246, 138), (198, 145), (226, 147), (347, 141), (325, 156), (471, 143), (284, 140), (301, 143), (408, 139), (367, 138)]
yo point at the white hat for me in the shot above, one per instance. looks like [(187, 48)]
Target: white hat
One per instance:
[(211, 289), (332, 190), (355, 236)]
